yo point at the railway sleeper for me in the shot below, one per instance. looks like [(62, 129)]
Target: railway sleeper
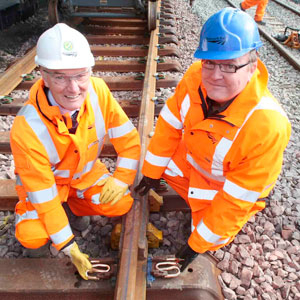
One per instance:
[(42, 278)]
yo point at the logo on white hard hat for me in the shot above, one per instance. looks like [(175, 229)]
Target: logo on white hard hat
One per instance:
[(68, 46)]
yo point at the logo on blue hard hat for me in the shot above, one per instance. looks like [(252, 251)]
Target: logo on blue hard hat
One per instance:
[(217, 40)]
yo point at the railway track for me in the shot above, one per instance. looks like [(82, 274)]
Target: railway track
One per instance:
[(275, 26), (140, 59)]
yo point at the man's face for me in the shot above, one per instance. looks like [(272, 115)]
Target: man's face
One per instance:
[(221, 86), (69, 87)]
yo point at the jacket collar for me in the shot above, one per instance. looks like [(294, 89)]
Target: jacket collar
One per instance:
[(39, 99), (237, 111)]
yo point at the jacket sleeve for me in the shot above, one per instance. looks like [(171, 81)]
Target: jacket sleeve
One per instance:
[(33, 168), (247, 181), (167, 135), (122, 134)]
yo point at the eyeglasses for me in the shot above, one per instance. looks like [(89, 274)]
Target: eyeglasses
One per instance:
[(226, 68), (61, 79)]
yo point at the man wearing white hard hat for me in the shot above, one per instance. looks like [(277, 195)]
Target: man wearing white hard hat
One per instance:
[(56, 140)]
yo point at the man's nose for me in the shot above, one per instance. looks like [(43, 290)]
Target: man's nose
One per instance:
[(72, 84), (216, 73)]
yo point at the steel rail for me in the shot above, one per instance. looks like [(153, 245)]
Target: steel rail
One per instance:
[(131, 282), (281, 49), (294, 10)]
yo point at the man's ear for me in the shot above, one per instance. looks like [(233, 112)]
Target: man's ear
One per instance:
[(45, 77), (253, 67)]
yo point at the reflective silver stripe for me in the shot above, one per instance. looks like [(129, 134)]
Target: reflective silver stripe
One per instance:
[(102, 177), (61, 173), (95, 199), (169, 117), (207, 234), (185, 106), (155, 160), (43, 196), (116, 132), (218, 242), (18, 180), (99, 120), (41, 131), (173, 170), (100, 129), (28, 215), (205, 173), (201, 193), (240, 193), (80, 193), (224, 145), (269, 104), (87, 168), (218, 158), (127, 163), (62, 235)]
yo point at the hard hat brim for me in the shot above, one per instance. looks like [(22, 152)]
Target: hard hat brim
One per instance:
[(220, 55), (62, 65)]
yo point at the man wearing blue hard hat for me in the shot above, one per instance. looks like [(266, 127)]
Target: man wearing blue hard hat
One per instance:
[(219, 140)]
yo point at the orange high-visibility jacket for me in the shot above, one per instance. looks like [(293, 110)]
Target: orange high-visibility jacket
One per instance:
[(49, 160), (260, 9), (234, 157)]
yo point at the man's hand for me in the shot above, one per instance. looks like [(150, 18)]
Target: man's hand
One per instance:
[(79, 259), (188, 254), (113, 191), (146, 184)]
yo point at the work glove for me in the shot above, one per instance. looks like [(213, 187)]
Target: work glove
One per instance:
[(80, 260), (146, 184), (187, 254), (113, 190)]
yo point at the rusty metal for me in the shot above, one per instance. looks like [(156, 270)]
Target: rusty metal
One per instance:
[(116, 22), (129, 40), (134, 250), (53, 14), (119, 83), (48, 278), (167, 22), (105, 30), (133, 66), (134, 51)]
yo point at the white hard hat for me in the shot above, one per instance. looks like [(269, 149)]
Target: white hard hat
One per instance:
[(62, 47)]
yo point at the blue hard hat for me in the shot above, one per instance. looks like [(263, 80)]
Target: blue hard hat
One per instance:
[(228, 34)]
